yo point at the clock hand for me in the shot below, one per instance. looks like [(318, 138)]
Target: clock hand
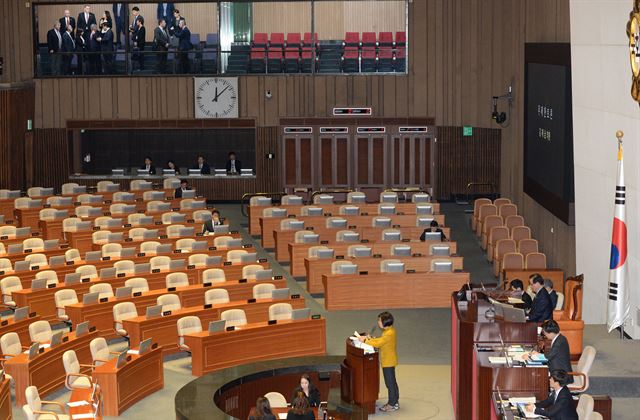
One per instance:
[(215, 99), (222, 91)]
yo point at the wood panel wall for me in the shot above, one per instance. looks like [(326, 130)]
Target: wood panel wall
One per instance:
[(47, 157), (282, 17), (334, 18), (16, 41), (16, 107)]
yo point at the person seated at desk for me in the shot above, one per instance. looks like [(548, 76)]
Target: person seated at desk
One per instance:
[(548, 284), (541, 308), (184, 186), (558, 354), (233, 165), (204, 167), (207, 226), (559, 405), (309, 390), (517, 286), (172, 165), (148, 165), (300, 408), (434, 227), (262, 410)]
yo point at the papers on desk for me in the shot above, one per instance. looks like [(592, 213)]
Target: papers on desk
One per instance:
[(540, 357), (499, 360), (83, 416), (282, 415), (368, 349), (78, 403), (528, 413), (514, 301), (522, 400), (133, 352)]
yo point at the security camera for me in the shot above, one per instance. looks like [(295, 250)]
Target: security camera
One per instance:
[(268, 94)]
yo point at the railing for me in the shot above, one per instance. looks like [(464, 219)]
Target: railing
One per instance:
[(247, 196), (330, 191), (477, 184)]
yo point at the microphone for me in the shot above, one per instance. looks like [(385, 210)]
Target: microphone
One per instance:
[(372, 330), (503, 348)]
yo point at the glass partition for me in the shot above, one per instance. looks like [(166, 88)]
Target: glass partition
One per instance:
[(208, 38)]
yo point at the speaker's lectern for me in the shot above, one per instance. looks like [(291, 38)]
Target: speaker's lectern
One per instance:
[(360, 378)]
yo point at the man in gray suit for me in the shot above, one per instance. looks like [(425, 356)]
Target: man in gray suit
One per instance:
[(161, 46)]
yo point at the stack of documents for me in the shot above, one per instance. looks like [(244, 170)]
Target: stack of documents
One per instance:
[(368, 349), (499, 360)]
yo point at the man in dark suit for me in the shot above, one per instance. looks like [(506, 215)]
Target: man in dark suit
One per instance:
[(558, 353), (541, 309), (184, 46), (54, 46), (548, 284), (135, 12), (161, 46), (81, 49), (207, 226), (204, 167), (148, 165), (434, 228), (68, 48), (517, 286), (165, 11), (119, 10), (184, 186), (233, 165), (67, 20), (173, 25), (106, 47), (139, 42), (94, 48), (559, 405), (85, 20)]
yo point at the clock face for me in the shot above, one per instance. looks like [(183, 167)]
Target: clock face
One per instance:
[(216, 97)]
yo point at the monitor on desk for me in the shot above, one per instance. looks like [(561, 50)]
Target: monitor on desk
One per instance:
[(23, 231), (37, 284), (350, 210), (44, 192), (150, 234), (123, 292), (246, 172), (512, 314), (122, 359), (21, 313), (72, 278), (21, 265), (57, 261), (234, 243), (163, 249), (189, 194), (425, 221), (117, 172), (362, 251), (90, 298), (401, 251), (141, 268), (15, 249), (177, 264), (432, 236), (195, 172), (395, 267), (387, 209), (391, 236), (220, 172), (325, 253), (264, 274), (128, 252), (314, 211), (213, 261), (347, 269), (107, 273), (153, 311), (145, 345), (169, 172), (337, 223), (65, 201), (82, 328), (221, 229), (443, 266), (92, 256), (441, 250), (84, 225), (217, 326), (303, 313), (248, 258), (296, 225), (279, 294), (112, 187), (34, 350), (186, 231), (56, 338), (35, 204), (310, 238), (142, 172), (51, 244), (199, 246), (351, 237)]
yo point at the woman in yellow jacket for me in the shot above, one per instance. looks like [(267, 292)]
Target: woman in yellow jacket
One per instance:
[(386, 344)]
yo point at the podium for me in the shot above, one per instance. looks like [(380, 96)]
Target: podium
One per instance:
[(360, 378)]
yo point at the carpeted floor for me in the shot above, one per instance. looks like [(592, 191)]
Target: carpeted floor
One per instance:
[(423, 341)]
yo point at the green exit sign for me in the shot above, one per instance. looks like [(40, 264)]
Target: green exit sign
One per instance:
[(467, 131)]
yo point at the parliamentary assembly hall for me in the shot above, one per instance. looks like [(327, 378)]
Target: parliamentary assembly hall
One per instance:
[(320, 209)]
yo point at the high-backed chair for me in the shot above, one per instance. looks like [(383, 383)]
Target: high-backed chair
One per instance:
[(121, 312), (581, 374), (276, 399), (221, 241), (47, 214), (512, 261), (187, 325), (100, 237), (34, 244), (519, 233), (137, 234), (36, 260), (485, 211), (198, 260), (536, 261), (10, 345), (124, 266), (104, 290), (259, 201), (489, 223), (234, 317), (288, 200), (527, 246), (501, 201), (5, 263), (50, 276), (216, 296), (585, 406), (560, 302), (161, 262), (149, 247), (75, 379), (62, 298), (570, 317), (72, 255), (335, 266), (169, 302), (495, 234), (177, 280), (105, 186), (503, 246), (280, 311), (235, 255), (171, 183), (100, 353), (40, 332), (34, 408), (67, 188), (249, 271), (137, 284), (213, 275), (513, 221), (8, 285), (263, 291), (111, 250), (356, 197), (273, 212), (185, 244), (507, 210), (87, 271)]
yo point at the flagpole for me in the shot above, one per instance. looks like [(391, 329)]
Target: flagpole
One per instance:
[(620, 135)]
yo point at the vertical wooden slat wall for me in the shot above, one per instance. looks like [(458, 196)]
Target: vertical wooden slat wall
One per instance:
[(49, 163), (16, 107)]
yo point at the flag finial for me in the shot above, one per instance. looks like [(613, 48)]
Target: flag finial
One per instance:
[(619, 135)]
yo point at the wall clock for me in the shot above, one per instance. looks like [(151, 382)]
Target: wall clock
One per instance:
[(633, 32), (215, 97)]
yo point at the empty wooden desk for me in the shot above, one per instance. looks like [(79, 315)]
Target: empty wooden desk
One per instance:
[(391, 290), (122, 387), (46, 371), (164, 329), (255, 342)]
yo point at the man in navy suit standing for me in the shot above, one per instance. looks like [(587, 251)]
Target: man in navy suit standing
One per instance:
[(184, 46), (165, 11), (119, 10), (541, 308), (85, 20)]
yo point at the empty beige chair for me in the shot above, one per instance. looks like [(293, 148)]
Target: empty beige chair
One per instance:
[(312, 252), (103, 221), (62, 298), (55, 201), (356, 197), (276, 399), (341, 236), (119, 209), (263, 291), (559, 302), (137, 284), (200, 216), (388, 197), (67, 188), (273, 212), (3, 251), (173, 231), (280, 311), (235, 256), (189, 203), (70, 224), (527, 246), (213, 275), (148, 196), (139, 185), (512, 261), (536, 261), (75, 379), (288, 200), (171, 217), (353, 249), (111, 250), (513, 221), (5, 263), (137, 234), (335, 266), (47, 214), (39, 260), (149, 247), (121, 197), (185, 244), (495, 234), (216, 297), (104, 290), (519, 233), (72, 255), (221, 241), (490, 222), (501, 201), (104, 186), (121, 312), (171, 183), (503, 246), (177, 280), (330, 221), (40, 332), (507, 210), (22, 203), (135, 219), (100, 237), (234, 317), (161, 263), (169, 302), (323, 199), (384, 264), (581, 373), (594, 415), (34, 409), (9, 285), (84, 198), (304, 211), (484, 211), (285, 224), (10, 345), (585, 406), (124, 267), (249, 271), (87, 271), (100, 353), (349, 210), (49, 275), (259, 201), (83, 211), (300, 235), (187, 325), (34, 192), (8, 231), (34, 244), (198, 260)]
